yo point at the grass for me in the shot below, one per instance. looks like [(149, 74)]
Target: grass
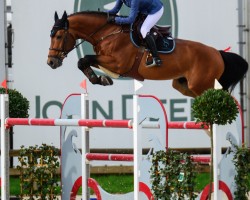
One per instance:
[(115, 184), (124, 183), (14, 186), (201, 181)]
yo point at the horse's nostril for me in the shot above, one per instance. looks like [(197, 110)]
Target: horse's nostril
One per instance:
[(54, 62), (50, 63)]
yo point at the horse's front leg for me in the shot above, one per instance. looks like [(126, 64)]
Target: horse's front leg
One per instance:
[(84, 65)]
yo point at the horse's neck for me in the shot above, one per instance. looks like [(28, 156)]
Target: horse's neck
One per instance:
[(85, 26)]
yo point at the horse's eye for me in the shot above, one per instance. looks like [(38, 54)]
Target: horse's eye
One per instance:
[(58, 37)]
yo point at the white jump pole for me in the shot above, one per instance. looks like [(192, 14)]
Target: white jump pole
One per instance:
[(137, 147), (137, 140), (85, 147), (215, 163), (216, 153), (5, 190)]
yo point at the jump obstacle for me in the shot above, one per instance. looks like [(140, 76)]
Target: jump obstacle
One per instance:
[(225, 176), (75, 165)]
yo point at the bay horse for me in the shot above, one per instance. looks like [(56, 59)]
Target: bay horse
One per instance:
[(192, 66)]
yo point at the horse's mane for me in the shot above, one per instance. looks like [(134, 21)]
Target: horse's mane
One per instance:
[(99, 13)]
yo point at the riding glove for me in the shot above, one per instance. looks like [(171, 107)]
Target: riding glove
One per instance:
[(111, 19)]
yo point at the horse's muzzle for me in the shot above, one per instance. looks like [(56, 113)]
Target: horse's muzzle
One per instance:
[(54, 62)]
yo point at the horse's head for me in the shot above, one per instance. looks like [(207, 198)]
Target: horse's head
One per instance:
[(62, 41)]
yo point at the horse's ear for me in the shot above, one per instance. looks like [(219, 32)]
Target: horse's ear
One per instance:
[(56, 16), (65, 20), (65, 16)]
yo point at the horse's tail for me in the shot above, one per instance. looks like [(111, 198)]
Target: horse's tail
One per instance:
[(235, 69)]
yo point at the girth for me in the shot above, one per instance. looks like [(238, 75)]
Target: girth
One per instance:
[(133, 72)]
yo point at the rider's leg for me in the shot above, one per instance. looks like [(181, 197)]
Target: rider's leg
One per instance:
[(152, 47), (148, 23)]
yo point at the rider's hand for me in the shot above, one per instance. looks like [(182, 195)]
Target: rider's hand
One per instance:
[(111, 19)]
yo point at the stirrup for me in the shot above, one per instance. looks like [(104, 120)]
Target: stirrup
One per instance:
[(154, 62)]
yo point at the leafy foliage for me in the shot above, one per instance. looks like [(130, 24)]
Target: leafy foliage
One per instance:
[(215, 107), (172, 175), (18, 104), (38, 167), (242, 166)]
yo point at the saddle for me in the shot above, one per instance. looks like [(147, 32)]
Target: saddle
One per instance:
[(162, 35)]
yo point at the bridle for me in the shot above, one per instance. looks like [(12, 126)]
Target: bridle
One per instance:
[(63, 52)]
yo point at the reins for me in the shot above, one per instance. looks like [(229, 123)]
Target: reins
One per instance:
[(106, 36), (90, 36)]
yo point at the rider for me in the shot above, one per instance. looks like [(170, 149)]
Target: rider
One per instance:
[(153, 9)]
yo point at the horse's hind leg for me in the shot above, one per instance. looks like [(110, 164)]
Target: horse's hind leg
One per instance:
[(182, 86), (84, 66)]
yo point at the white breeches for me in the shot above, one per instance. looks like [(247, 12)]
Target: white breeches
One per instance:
[(150, 21)]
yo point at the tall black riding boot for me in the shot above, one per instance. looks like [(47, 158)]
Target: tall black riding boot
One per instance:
[(152, 47)]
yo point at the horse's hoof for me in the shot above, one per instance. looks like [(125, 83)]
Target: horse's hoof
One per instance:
[(105, 80)]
